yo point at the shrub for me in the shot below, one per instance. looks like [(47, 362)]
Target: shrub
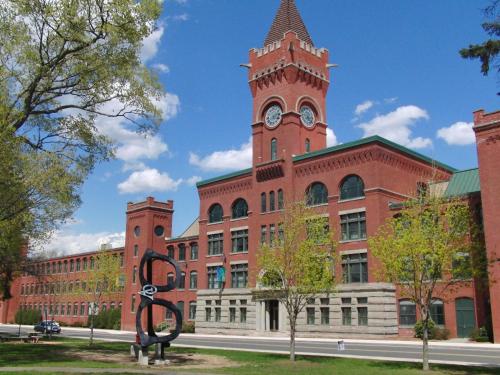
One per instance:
[(419, 329), (108, 319), (479, 335), (29, 316), (188, 327), (441, 333)]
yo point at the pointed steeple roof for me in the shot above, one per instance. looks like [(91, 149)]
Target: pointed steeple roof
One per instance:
[(287, 19)]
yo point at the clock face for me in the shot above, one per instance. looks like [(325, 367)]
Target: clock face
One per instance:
[(273, 116), (307, 116)]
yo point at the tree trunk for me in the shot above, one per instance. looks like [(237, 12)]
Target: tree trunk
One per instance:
[(91, 329), (292, 339), (425, 346)]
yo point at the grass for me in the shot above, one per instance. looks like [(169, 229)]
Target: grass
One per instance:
[(64, 353)]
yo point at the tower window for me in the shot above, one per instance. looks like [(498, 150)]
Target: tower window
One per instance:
[(274, 149), (308, 145), (263, 202)]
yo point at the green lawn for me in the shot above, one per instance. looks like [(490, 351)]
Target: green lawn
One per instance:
[(66, 352)]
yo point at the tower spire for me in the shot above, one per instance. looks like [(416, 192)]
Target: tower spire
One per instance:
[(288, 19)]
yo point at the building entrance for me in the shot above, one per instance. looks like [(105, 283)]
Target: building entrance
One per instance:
[(272, 308)]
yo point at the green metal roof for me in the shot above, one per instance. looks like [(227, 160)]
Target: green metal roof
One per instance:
[(224, 177), (368, 140), (463, 183)]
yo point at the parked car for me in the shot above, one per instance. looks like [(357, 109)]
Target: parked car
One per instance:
[(47, 326)]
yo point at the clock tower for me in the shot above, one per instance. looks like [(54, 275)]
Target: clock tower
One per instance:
[(289, 79)]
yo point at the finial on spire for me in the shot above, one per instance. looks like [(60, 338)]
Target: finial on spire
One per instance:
[(288, 19)]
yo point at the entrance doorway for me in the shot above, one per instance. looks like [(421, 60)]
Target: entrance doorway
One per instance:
[(272, 308), (466, 320)]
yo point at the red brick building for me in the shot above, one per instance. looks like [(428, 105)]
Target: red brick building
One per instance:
[(356, 185)]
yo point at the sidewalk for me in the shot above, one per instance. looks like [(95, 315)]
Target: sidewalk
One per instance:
[(457, 343)]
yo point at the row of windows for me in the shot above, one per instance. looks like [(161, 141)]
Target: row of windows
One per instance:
[(237, 313), (61, 287), (68, 309), (182, 251), (408, 312), (317, 193), (272, 201), (73, 265), (216, 276)]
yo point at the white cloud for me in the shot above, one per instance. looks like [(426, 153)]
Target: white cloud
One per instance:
[(192, 181), (180, 17), (331, 138), (363, 107), (150, 44), (390, 100), (147, 181), (460, 134), (162, 68), (169, 105), (233, 159), (396, 126), (66, 243), (141, 147)]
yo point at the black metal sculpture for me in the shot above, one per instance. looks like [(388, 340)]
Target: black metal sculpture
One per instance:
[(148, 300)]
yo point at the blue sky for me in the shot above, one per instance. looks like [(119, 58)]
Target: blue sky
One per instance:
[(400, 76)]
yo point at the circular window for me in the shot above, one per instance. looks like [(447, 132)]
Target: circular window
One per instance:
[(137, 231), (273, 116), (159, 230), (307, 116)]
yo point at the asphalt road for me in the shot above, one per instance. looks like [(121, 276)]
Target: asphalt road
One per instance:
[(454, 353)]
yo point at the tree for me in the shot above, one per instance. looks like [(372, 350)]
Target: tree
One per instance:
[(487, 52), (299, 263), (425, 248), (63, 65), (103, 279)]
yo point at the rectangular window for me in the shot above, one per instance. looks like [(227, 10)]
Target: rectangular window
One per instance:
[(192, 310), (362, 300), (132, 305), (362, 316), (193, 280), (171, 252), (63, 309), (355, 268), (346, 316), (239, 240), (71, 266), (136, 250), (194, 251), (461, 267), (82, 309), (407, 313), (263, 234), (243, 314), (232, 315), (353, 226), (239, 275), (213, 281), (272, 201), (346, 301), (182, 282), (217, 314), (272, 234), (216, 244), (325, 315), (84, 264), (310, 315), (78, 265), (281, 233), (75, 309), (182, 252), (208, 314)]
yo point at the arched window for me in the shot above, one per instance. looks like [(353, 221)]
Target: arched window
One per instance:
[(308, 145), (215, 213), (182, 251), (352, 187), (316, 194), (240, 208), (274, 149), (263, 202), (407, 313), (272, 201), (437, 311), (281, 200)]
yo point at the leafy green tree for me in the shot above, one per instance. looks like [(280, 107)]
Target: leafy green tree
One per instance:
[(487, 52), (63, 65), (299, 263), (103, 279), (426, 248)]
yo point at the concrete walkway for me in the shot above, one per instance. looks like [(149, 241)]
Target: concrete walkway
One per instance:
[(71, 370)]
